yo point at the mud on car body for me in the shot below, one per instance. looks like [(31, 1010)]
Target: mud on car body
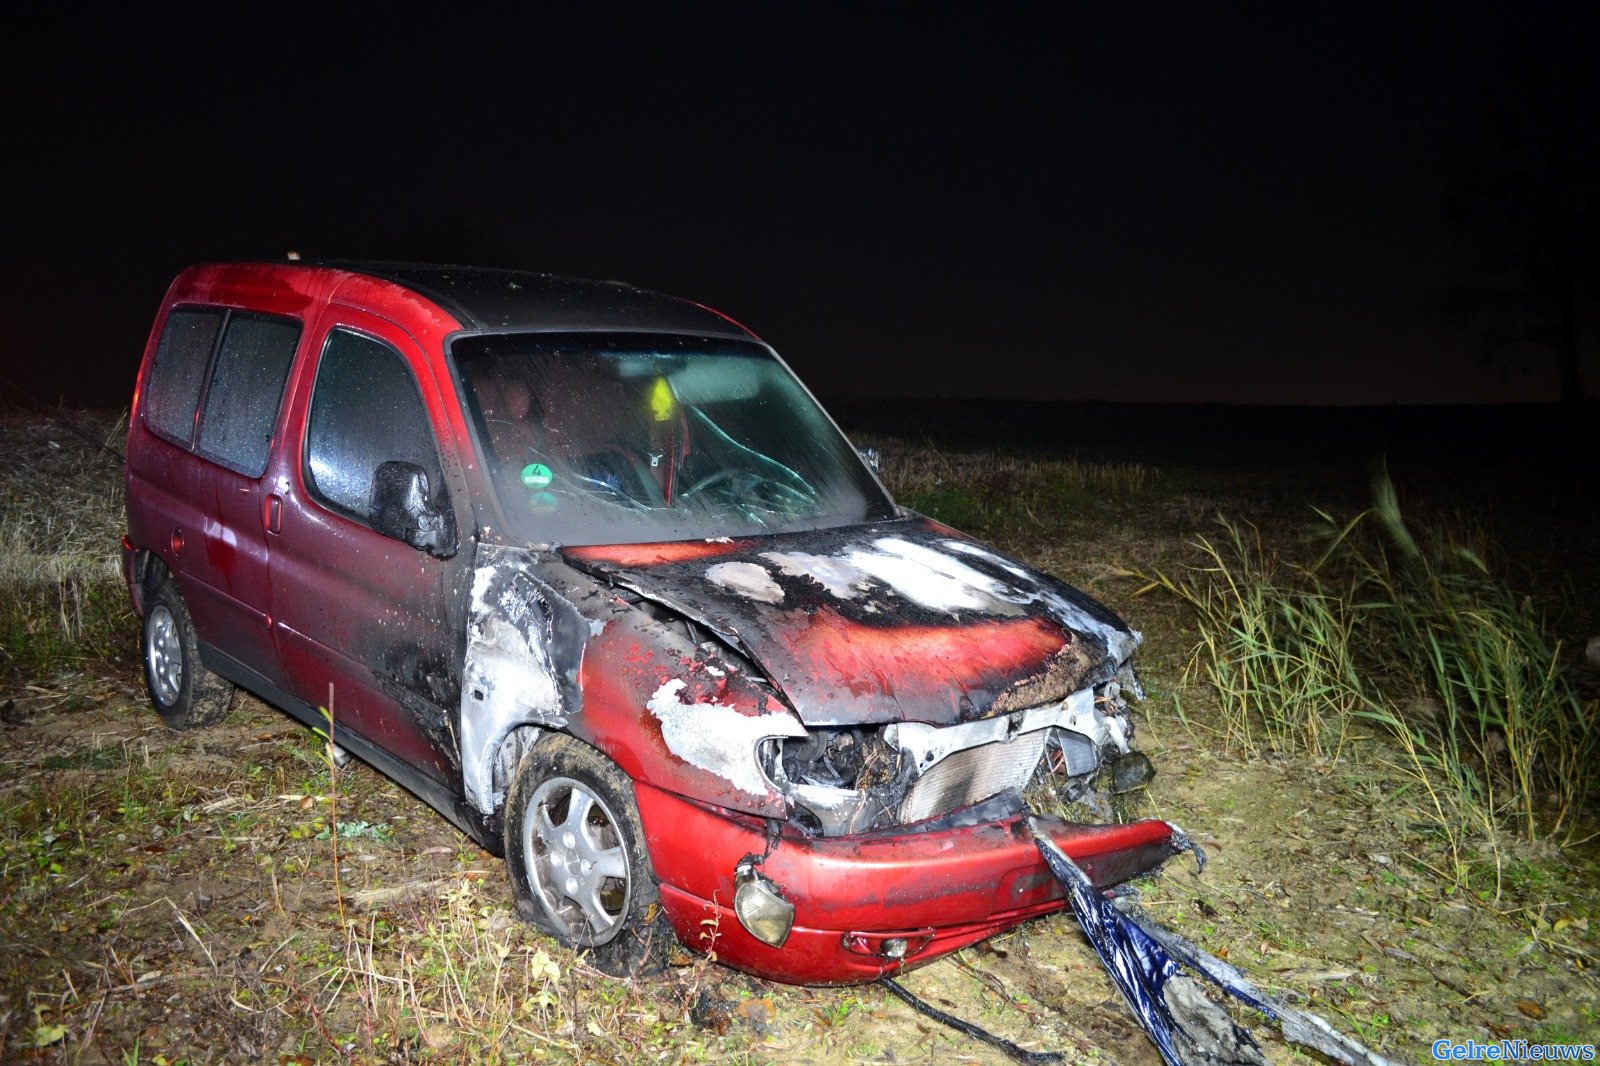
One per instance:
[(587, 569)]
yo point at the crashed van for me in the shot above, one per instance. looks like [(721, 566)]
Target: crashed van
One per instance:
[(587, 569)]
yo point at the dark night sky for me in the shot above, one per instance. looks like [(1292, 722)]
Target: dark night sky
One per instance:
[(1125, 202)]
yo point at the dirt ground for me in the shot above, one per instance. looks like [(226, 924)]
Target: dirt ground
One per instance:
[(226, 896)]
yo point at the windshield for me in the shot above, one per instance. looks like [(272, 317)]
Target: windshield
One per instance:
[(626, 438)]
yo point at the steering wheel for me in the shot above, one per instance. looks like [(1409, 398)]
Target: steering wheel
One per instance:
[(747, 482)]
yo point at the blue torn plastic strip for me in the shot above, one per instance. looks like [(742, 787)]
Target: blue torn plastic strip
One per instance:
[(1142, 958)]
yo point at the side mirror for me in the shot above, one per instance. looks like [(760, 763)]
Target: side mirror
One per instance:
[(402, 508), (870, 457)]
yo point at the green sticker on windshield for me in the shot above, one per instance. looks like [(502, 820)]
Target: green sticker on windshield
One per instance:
[(536, 475)]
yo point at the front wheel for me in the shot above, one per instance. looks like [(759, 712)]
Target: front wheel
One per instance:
[(185, 694), (575, 852)]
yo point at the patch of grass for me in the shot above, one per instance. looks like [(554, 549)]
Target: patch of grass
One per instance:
[(104, 757), (995, 493), (377, 832), (62, 601), (1277, 645), (953, 506), (1506, 727), (1374, 624), (461, 978), (48, 627)]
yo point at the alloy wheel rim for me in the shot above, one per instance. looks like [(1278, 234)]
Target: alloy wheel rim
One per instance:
[(576, 860)]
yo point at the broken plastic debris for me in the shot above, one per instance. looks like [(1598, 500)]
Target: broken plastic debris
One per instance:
[(1148, 964)]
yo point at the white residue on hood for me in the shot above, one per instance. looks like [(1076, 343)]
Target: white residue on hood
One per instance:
[(1119, 643), (838, 576), (934, 578), (966, 548), (718, 739), (747, 579), (926, 577)]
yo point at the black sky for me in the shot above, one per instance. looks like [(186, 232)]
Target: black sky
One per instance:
[(1124, 202)]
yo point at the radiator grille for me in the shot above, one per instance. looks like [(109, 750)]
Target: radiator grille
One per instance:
[(1077, 753), (975, 774)]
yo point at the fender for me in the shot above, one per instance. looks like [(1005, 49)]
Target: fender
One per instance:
[(548, 647)]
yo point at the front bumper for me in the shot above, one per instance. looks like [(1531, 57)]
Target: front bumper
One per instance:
[(937, 889)]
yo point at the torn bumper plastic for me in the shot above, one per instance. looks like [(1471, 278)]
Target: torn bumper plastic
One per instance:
[(1155, 969), (874, 903)]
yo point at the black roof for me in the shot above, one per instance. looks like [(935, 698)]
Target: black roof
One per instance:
[(483, 298)]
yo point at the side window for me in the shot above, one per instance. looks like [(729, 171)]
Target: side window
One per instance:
[(173, 392), (241, 406), (365, 411)]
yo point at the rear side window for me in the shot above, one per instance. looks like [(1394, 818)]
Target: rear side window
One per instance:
[(172, 394), (241, 405), (365, 410)]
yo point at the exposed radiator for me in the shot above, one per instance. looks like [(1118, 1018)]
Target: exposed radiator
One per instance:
[(966, 777)]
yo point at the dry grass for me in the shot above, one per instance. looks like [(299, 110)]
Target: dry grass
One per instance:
[(910, 469), (61, 520), (171, 897), (1412, 632)]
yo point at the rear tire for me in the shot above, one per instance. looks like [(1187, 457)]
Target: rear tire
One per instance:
[(575, 851), (184, 693)]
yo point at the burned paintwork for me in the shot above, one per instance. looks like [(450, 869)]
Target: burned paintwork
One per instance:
[(548, 649), (716, 737), (524, 649), (623, 603), (635, 680), (930, 672), (897, 621)]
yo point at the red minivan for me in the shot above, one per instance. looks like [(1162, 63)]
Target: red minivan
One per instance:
[(587, 569)]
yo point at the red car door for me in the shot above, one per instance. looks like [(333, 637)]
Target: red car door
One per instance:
[(380, 622)]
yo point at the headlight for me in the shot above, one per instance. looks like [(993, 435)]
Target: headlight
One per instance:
[(760, 907)]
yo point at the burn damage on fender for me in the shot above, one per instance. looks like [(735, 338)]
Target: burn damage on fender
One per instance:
[(524, 647), (548, 648)]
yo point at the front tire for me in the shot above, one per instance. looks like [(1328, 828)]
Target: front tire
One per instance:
[(575, 851), (184, 693)]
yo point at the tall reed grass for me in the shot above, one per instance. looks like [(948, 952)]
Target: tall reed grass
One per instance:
[(1374, 623)]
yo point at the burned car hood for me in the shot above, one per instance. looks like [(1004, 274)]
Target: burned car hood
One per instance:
[(904, 620)]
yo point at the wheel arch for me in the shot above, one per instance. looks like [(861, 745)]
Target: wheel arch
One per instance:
[(146, 573)]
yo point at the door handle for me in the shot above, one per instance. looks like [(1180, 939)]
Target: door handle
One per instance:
[(273, 518)]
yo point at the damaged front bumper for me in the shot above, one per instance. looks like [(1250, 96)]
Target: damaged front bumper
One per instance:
[(871, 904), (854, 780)]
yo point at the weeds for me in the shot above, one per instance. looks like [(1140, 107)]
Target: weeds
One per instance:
[(169, 897), (467, 982), (1276, 644), (64, 603), (1509, 731), (1408, 631), (994, 493)]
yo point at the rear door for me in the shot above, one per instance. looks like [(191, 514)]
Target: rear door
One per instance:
[(379, 623), (213, 401)]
